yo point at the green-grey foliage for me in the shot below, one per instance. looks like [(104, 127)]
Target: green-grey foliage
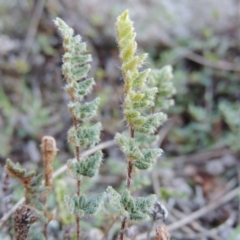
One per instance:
[(146, 93), (162, 79), (134, 209), (85, 136), (140, 95), (231, 113), (76, 65), (87, 167), (198, 113), (84, 111), (83, 205)]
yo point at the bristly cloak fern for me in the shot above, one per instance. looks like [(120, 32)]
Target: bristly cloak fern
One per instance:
[(141, 96), (162, 79), (76, 65)]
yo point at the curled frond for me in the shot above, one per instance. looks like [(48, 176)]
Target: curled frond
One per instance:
[(127, 47), (17, 171), (75, 62), (66, 31)]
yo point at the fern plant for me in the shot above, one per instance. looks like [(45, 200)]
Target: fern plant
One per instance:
[(32, 189), (76, 65), (139, 99), (29, 180), (162, 79), (32, 210)]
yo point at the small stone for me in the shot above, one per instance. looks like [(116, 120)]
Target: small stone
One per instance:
[(215, 167), (228, 160), (181, 186)]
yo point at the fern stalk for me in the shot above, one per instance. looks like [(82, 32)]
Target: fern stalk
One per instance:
[(77, 155), (76, 65), (139, 99), (66, 37)]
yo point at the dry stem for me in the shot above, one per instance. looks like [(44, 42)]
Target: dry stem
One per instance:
[(49, 151)]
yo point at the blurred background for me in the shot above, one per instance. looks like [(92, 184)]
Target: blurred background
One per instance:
[(201, 139)]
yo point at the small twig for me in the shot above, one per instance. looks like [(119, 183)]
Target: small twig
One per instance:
[(185, 52), (112, 229), (209, 233), (225, 189), (194, 224), (57, 173), (220, 64), (201, 157), (184, 229), (197, 214), (205, 210)]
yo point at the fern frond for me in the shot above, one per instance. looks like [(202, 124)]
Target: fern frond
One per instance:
[(88, 167), (17, 171), (84, 111), (85, 136), (129, 147)]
